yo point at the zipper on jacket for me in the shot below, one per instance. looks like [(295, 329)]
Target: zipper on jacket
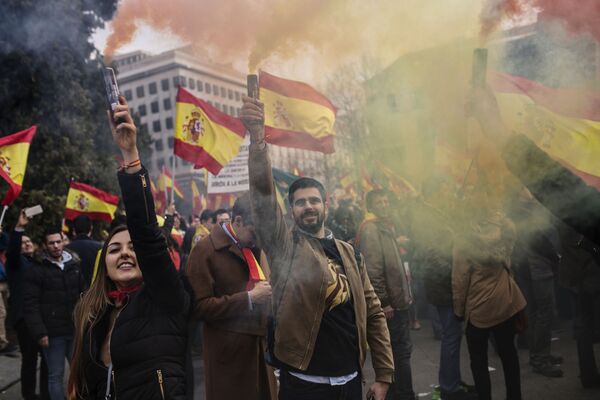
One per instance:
[(160, 383), (114, 383), (144, 184)]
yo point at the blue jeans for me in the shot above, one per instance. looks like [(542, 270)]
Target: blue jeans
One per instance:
[(452, 333), (59, 350), (399, 327)]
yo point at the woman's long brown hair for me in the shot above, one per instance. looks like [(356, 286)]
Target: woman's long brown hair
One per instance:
[(92, 306)]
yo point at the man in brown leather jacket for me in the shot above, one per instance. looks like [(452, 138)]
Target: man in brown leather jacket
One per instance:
[(377, 241), (325, 310)]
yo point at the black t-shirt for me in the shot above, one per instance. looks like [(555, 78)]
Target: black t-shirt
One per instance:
[(336, 349)]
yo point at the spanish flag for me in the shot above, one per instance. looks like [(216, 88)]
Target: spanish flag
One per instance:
[(296, 115), (563, 122), (395, 183), (198, 200), (160, 199), (221, 200), (165, 181), (93, 202), (205, 136), (14, 150)]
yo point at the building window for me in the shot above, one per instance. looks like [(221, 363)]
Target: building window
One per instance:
[(199, 85), (175, 81), (182, 81), (192, 83), (142, 110), (223, 92), (139, 91), (154, 107), (230, 94), (207, 87), (152, 88), (218, 105), (237, 96), (144, 128), (169, 123), (238, 111), (170, 141), (164, 85), (167, 104), (128, 95), (231, 110), (216, 90), (158, 145), (156, 126)]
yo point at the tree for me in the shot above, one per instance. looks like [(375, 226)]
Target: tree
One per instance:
[(50, 75)]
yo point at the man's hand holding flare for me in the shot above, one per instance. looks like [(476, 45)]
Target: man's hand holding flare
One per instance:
[(252, 116)]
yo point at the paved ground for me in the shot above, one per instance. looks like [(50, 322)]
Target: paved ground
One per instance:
[(425, 367)]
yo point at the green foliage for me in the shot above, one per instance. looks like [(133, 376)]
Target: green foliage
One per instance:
[(50, 75)]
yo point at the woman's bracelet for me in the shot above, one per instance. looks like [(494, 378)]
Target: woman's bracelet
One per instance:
[(132, 164)]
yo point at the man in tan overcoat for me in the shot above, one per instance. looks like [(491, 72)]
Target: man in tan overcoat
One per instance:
[(234, 307)]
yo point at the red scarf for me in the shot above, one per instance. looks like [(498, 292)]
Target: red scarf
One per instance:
[(120, 294), (255, 271)]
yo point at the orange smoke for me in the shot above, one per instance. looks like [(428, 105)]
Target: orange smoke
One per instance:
[(494, 11), (327, 32)]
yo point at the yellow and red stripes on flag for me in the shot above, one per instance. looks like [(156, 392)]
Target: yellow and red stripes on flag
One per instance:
[(221, 200), (14, 150), (451, 161), (296, 115), (563, 122), (159, 199), (205, 136), (199, 202), (255, 271), (165, 181), (87, 200), (396, 183)]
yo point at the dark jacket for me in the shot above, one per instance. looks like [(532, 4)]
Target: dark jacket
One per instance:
[(377, 242), (300, 277), (148, 341), (50, 296), (557, 188), (433, 239), (233, 333), (87, 250), (16, 266)]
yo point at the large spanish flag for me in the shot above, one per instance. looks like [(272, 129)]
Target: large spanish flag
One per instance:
[(205, 136), (296, 115), (14, 150), (198, 200), (165, 181), (93, 202), (563, 122)]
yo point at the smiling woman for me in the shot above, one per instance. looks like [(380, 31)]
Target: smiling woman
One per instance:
[(131, 325)]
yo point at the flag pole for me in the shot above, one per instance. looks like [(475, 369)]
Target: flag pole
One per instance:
[(3, 214), (173, 187)]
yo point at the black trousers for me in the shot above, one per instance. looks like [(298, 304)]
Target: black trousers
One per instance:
[(587, 304), (477, 340), (292, 388), (30, 352)]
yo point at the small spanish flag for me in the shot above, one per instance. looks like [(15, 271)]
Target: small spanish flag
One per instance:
[(14, 150), (93, 202), (198, 200), (255, 272), (205, 136), (159, 199), (296, 115), (165, 181)]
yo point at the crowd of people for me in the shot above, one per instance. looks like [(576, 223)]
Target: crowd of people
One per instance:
[(291, 304)]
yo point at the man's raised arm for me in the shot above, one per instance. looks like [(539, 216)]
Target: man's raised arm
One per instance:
[(272, 232)]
